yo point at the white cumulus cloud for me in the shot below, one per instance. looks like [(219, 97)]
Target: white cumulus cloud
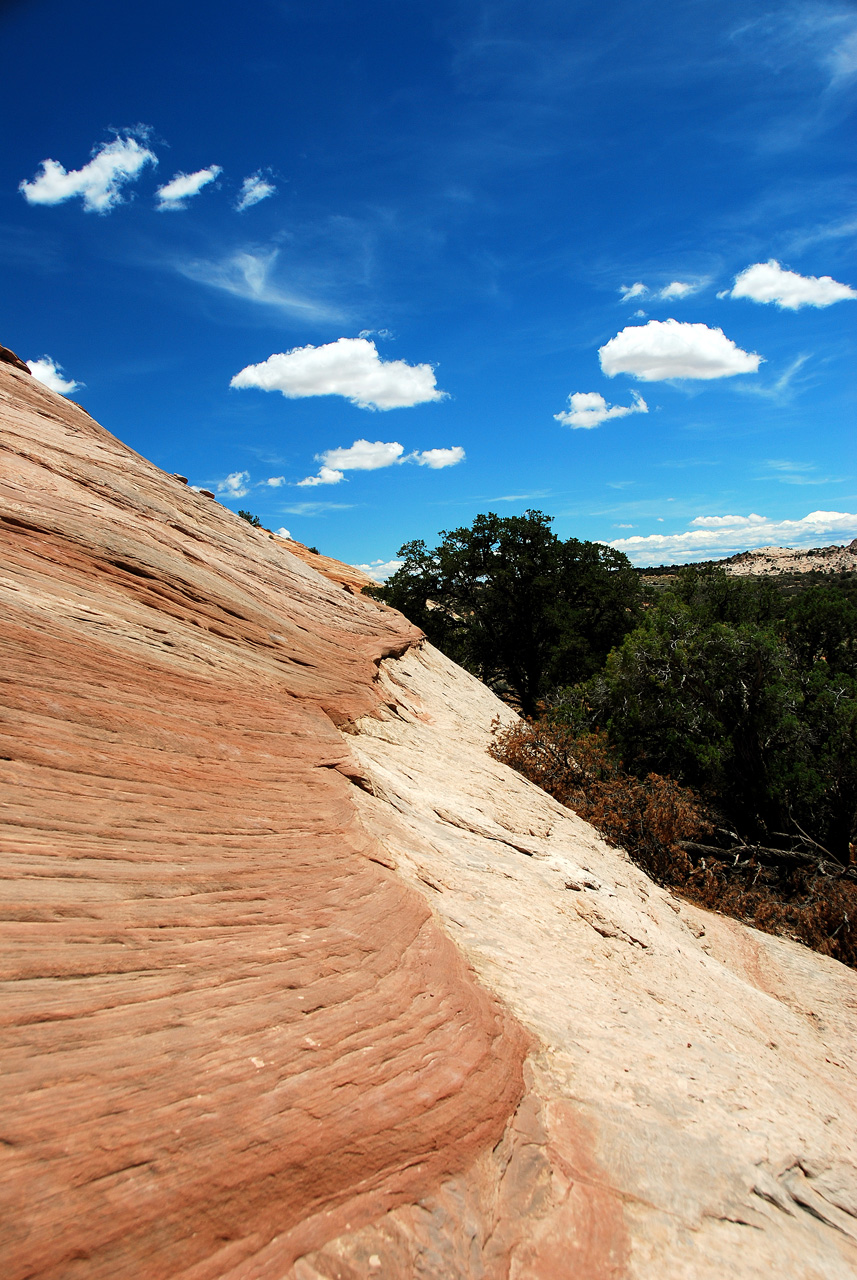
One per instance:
[(678, 289), (769, 282), (176, 193), (629, 291), (380, 570), (712, 537), (236, 484), (253, 189), (283, 533), (438, 458), (275, 481), (728, 522), (665, 349), (99, 183), (50, 374), (588, 409), (326, 475), (363, 455), (373, 455), (349, 367)]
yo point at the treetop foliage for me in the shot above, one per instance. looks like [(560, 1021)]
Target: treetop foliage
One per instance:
[(513, 603)]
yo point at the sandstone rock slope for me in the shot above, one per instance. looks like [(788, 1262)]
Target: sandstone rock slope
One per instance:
[(298, 982)]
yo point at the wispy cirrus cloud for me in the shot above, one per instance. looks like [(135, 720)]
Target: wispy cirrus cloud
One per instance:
[(800, 473), (315, 508), (99, 183), (819, 33), (783, 388), (250, 274)]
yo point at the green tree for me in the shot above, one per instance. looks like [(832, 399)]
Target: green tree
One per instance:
[(514, 604), (747, 696), (251, 519)]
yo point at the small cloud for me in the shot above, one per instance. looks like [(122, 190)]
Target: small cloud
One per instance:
[(678, 289), (316, 508), (50, 374), (589, 409), (373, 455), (386, 334), (623, 526), (236, 484), (363, 455), (380, 570), (438, 458), (275, 481), (769, 282), (640, 315), (176, 193), (629, 291), (724, 293), (519, 497), (664, 349), (349, 367), (253, 189), (326, 475), (99, 183), (283, 533)]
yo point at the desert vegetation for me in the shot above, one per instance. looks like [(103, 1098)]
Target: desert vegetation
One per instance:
[(707, 725)]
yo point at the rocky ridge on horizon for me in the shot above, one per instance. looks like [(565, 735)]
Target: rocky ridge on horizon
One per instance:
[(300, 984), (775, 560), (839, 559)]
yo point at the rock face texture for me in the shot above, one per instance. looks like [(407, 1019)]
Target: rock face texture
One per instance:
[(225, 1021), (298, 983)]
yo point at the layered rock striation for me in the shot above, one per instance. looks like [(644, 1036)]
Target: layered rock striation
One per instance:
[(225, 1021), (298, 982)]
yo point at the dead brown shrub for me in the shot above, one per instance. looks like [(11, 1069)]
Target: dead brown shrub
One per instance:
[(652, 817), (645, 818)]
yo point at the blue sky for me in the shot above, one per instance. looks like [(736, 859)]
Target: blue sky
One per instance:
[(456, 257)]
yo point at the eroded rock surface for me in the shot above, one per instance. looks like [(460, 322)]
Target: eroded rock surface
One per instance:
[(299, 983), (694, 1080), (228, 1028)]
